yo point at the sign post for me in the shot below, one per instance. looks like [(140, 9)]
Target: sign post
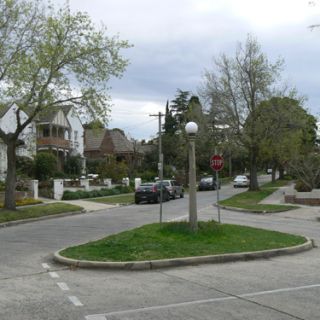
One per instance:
[(216, 164)]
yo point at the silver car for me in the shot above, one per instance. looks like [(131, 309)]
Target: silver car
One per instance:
[(175, 189), (241, 181)]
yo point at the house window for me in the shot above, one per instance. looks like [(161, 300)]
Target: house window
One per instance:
[(46, 132), (76, 135)]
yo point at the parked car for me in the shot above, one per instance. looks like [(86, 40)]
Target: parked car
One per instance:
[(208, 183), (150, 192), (175, 189), (241, 181)]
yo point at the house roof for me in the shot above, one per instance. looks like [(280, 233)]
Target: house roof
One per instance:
[(120, 142), (94, 139), (66, 109)]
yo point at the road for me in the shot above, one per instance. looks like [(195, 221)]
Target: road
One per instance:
[(33, 287)]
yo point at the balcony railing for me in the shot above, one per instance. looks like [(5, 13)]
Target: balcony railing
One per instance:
[(53, 142)]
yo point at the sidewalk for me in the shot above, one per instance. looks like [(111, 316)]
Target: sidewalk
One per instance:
[(88, 206), (304, 212)]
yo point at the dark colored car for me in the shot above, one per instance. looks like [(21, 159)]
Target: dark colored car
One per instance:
[(208, 183), (150, 192)]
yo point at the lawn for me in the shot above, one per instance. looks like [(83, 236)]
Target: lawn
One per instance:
[(37, 211), (174, 240), (249, 200), (123, 199)]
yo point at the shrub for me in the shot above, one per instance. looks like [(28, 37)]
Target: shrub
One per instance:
[(81, 194), (302, 187), (73, 165), (45, 165), (25, 166)]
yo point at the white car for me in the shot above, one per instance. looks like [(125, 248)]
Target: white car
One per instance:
[(241, 181)]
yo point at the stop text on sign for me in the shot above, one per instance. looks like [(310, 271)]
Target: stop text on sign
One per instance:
[(216, 162)]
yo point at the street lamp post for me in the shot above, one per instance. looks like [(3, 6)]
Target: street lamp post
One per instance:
[(191, 129)]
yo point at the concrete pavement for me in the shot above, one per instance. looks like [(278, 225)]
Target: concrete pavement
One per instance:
[(87, 205)]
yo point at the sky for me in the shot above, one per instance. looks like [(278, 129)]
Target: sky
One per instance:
[(175, 41)]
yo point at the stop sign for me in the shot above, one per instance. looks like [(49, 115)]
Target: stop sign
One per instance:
[(216, 162)]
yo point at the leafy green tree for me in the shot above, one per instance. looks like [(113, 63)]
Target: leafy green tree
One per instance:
[(113, 169), (235, 88), (307, 169), (45, 165), (284, 129), (179, 107), (94, 124), (51, 57)]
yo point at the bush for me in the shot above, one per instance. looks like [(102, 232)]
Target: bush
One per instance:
[(73, 165), (81, 194), (25, 166), (45, 165), (302, 187)]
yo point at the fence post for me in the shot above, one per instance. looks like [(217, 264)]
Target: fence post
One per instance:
[(85, 183), (57, 189), (34, 186)]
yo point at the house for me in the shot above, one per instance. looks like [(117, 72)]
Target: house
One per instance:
[(61, 133), (104, 143), (27, 138)]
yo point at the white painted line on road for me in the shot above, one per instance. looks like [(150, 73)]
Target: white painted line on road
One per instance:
[(195, 302), (53, 275), (45, 266), (279, 290), (96, 317), (75, 301), (63, 286)]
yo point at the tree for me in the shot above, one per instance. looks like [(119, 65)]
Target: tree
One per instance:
[(112, 169), (284, 129), (50, 57), (235, 88)]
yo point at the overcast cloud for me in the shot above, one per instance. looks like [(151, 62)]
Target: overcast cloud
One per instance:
[(175, 41)]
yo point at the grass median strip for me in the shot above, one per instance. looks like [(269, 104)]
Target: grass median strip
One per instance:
[(175, 240), (37, 211), (249, 200)]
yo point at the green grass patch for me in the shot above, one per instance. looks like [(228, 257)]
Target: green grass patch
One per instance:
[(37, 211), (120, 199), (276, 184), (174, 240), (249, 200)]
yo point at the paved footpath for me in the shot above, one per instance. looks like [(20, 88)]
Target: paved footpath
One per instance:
[(87, 205)]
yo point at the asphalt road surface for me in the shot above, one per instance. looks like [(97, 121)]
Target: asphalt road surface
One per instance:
[(32, 287)]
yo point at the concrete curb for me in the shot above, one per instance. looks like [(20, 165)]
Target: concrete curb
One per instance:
[(166, 263), (251, 211), (53, 216)]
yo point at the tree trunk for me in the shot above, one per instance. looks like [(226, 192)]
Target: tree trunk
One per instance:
[(274, 171), (10, 201), (230, 165), (254, 186), (281, 172)]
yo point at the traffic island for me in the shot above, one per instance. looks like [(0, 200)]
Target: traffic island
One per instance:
[(173, 244)]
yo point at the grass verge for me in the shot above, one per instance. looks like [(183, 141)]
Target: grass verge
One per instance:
[(249, 200), (123, 199), (37, 211), (174, 240)]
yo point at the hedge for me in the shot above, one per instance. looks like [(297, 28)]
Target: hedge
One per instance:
[(81, 194)]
